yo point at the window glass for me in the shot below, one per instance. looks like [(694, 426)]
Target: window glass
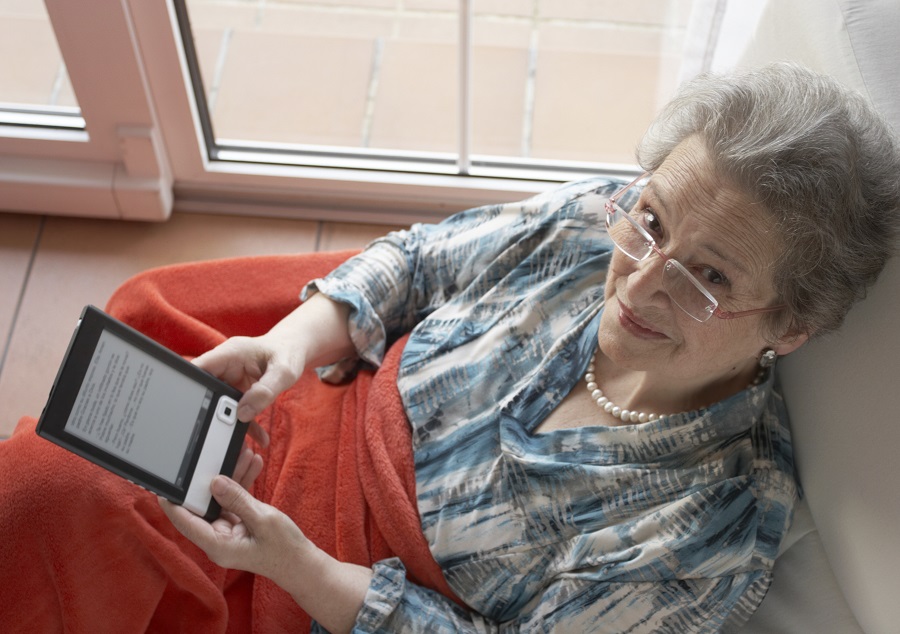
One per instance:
[(32, 74), (550, 80), (572, 79), (356, 73)]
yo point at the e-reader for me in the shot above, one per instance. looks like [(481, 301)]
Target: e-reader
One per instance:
[(134, 407)]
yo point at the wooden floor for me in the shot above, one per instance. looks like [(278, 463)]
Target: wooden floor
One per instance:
[(50, 267)]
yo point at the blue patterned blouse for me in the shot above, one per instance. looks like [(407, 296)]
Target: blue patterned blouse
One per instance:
[(669, 526)]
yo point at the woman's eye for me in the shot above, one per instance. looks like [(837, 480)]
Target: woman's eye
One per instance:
[(651, 223), (713, 276)]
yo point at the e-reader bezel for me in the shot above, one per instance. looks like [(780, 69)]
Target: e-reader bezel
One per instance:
[(71, 375)]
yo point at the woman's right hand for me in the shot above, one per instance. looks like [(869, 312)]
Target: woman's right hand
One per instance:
[(261, 367)]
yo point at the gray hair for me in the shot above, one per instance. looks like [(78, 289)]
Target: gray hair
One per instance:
[(819, 158)]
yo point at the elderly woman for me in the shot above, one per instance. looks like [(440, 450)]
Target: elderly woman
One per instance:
[(599, 442)]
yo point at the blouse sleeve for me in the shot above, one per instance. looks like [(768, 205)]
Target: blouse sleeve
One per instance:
[(401, 278), (570, 604)]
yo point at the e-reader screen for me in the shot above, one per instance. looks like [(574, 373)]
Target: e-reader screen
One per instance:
[(134, 406)]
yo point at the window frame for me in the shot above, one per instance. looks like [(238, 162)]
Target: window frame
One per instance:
[(113, 164)]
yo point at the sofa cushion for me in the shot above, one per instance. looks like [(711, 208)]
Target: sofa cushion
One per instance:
[(841, 390)]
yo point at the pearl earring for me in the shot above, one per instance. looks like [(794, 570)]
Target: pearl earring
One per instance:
[(767, 359)]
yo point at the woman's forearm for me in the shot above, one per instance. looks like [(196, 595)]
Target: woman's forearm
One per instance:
[(330, 591), (316, 332)]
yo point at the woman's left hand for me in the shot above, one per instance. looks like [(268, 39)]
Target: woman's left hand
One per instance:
[(253, 536), (248, 535)]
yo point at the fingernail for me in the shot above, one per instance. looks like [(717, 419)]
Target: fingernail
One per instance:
[(244, 414), (219, 486)]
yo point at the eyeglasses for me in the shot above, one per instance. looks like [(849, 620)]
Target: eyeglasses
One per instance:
[(684, 288)]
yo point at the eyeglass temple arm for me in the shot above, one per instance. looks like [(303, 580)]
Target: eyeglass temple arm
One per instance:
[(724, 314), (615, 197)]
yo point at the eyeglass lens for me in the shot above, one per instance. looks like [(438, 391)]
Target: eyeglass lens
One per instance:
[(682, 287)]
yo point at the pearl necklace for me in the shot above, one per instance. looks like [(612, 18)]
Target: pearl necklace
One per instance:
[(627, 415)]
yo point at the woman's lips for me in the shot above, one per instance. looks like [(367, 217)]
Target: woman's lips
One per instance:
[(638, 328)]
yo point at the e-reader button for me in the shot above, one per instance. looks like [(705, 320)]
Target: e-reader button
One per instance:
[(226, 410)]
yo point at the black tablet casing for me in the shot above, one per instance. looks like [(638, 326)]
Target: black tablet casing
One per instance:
[(71, 376)]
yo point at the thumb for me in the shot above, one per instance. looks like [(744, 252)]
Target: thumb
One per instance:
[(275, 380), (235, 499)]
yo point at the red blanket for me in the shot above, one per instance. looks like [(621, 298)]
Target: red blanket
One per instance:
[(86, 551)]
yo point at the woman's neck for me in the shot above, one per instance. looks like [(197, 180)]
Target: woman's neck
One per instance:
[(646, 391)]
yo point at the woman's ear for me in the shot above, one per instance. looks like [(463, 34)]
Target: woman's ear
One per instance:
[(789, 342)]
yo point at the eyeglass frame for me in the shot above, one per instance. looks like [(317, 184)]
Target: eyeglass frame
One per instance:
[(612, 205)]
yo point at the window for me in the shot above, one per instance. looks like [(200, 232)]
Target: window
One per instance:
[(374, 110), (479, 87)]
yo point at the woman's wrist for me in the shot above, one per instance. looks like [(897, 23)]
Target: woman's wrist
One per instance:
[(297, 561), (315, 334), (330, 591)]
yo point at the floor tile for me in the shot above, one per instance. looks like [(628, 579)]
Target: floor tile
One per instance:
[(83, 261), (645, 12), (339, 236), (599, 38), (498, 99), (491, 32), (294, 89), (363, 4), (17, 240), (31, 78), (66, 95), (444, 28), (208, 44), (424, 117), (581, 116), (323, 22), (209, 23), (432, 5), (421, 116), (20, 8), (219, 16), (502, 7)]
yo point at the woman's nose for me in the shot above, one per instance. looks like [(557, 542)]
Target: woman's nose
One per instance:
[(644, 283)]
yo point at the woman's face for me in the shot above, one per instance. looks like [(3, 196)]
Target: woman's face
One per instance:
[(712, 230)]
